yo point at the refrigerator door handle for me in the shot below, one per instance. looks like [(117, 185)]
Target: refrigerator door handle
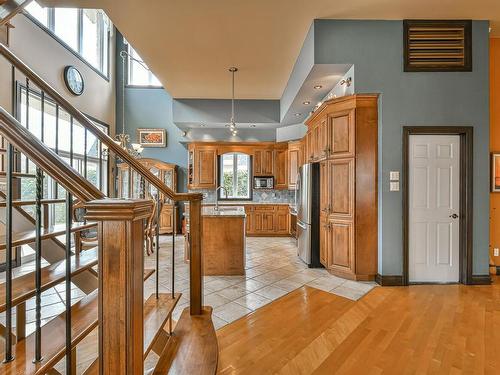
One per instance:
[(301, 224)]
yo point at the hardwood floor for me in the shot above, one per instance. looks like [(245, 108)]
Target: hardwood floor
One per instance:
[(427, 329)]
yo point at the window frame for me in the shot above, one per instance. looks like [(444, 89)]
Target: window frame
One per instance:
[(105, 177), (220, 195), (50, 30), (127, 46)]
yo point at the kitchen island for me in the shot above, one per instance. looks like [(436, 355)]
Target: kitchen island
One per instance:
[(223, 244)]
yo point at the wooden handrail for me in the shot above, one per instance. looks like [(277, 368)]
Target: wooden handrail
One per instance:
[(46, 159), (89, 125)]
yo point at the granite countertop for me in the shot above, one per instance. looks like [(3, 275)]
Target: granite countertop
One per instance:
[(233, 211)]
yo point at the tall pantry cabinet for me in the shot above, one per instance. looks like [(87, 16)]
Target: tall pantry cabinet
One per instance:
[(347, 152)]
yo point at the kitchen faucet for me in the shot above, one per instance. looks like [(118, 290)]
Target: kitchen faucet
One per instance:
[(217, 196)]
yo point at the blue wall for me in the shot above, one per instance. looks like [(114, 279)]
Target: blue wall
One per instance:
[(150, 108), (456, 99)]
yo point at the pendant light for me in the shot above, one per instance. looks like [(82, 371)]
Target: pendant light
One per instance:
[(232, 123)]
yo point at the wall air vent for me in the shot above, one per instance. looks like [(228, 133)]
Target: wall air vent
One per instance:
[(437, 46)]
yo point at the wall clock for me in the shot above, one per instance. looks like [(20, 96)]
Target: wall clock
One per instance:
[(74, 80)]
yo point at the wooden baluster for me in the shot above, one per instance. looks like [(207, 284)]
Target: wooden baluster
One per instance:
[(121, 267), (195, 265)]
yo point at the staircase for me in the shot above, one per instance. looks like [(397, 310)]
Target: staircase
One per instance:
[(129, 327)]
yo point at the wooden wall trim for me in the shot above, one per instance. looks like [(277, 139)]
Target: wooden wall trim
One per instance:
[(480, 280), (389, 280)]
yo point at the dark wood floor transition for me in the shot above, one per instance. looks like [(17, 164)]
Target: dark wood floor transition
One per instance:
[(427, 329)]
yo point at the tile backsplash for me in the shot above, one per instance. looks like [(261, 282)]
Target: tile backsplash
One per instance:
[(259, 196)]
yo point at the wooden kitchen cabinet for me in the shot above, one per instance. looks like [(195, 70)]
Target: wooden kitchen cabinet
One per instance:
[(294, 162), (263, 162), (282, 220), (348, 185), (323, 240), (281, 167), (267, 220), (202, 167), (322, 146), (206, 167), (341, 134), (340, 256)]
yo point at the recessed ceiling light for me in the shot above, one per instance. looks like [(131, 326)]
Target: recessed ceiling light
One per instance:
[(318, 87), (307, 102), (298, 114)]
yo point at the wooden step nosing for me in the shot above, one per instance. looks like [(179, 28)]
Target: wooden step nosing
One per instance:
[(88, 302), (149, 346), (78, 227), (49, 284)]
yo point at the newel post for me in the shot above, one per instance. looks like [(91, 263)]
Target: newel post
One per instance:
[(121, 267), (195, 260)]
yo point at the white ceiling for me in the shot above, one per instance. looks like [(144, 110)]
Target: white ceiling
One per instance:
[(189, 44)]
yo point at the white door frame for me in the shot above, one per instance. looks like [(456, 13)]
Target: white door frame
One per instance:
[(466, 155)]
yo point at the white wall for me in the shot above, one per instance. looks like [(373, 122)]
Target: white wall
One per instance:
[(47, 57)]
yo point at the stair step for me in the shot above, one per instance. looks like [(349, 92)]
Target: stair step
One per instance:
[(24, 238), (83, 319), (193, 348), (23, 287), (148, 272), (156, 314), (19, 175), (20, 203), (93, 369)]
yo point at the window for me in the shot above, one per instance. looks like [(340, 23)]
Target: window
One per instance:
[(83, 31), (138, 72), (235, 176), (65, 136)]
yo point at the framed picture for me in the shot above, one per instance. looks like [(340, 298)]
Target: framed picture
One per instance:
[(152, 137), (495, 172)]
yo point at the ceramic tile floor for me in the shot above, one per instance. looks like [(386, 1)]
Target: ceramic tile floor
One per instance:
[(272, 270)]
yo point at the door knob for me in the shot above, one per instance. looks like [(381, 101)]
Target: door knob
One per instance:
[(454, 216)]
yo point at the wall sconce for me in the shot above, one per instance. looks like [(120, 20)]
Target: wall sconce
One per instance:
[(346, 82)]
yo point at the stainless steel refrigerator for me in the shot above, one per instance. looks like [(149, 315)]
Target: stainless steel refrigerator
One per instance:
[(307, 202)]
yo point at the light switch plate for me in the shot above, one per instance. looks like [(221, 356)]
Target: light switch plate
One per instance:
[(394, 186), (394, 175), (495, 251)]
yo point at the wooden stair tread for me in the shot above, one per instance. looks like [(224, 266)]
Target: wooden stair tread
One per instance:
[(193, 347), (83, 319), (24, 238), (20, 203), (156, 314), (148, 272), (23, 287), (93, 369)]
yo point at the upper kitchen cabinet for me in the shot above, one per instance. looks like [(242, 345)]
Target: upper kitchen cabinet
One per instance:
[(348, 187), (281, 166), (295, 151), (202, 166), (263, 162), (340, 135)]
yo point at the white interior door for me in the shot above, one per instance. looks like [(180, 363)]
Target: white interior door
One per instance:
[(434, 204)]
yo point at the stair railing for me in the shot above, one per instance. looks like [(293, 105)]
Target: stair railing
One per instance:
[(116, 300)]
